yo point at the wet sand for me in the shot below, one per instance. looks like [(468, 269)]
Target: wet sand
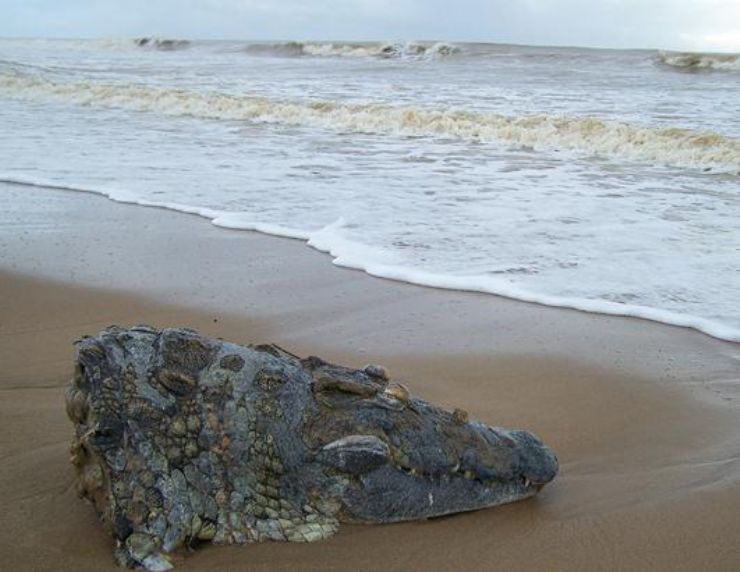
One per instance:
[(644, 417)]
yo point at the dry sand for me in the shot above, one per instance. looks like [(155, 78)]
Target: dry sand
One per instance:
[(644, 417)]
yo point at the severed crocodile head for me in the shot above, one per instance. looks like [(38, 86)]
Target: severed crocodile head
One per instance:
[(180, 439)]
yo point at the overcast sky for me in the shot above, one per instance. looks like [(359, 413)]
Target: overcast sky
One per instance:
[(673, 24)]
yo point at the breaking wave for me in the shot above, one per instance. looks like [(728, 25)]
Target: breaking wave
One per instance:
[(354, 50), (694, 61), (587, 135), (164, 45)]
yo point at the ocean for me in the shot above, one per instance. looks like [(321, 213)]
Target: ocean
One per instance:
[(601, 180)]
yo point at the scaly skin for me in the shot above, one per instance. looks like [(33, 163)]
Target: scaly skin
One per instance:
[(179, 438)]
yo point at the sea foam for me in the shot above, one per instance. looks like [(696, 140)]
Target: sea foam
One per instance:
[(390, 50), (705, 150), (696, 61)]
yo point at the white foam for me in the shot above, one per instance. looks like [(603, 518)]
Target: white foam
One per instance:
[(700, 61), (378, 262), (400, 50), (245, 221), (584, 135)]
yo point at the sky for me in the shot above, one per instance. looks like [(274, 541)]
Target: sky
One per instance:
[(701, 25)]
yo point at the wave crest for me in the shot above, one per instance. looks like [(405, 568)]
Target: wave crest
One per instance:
[(586, 135), (695, 61), (162, 44), (400, 50)]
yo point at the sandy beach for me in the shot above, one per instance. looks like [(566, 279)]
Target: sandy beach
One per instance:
[(644, 417)]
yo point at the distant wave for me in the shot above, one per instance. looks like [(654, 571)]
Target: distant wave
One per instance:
[(587, 135), (353, 50), (162, 44), (694, 61)]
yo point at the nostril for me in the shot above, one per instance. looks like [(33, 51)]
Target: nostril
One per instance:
[(541, 469), (539, 464)]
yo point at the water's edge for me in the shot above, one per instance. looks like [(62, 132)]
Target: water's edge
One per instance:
[(343, 254)]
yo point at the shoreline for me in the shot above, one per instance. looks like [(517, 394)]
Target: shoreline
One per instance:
[(472, 284), (644, 417)]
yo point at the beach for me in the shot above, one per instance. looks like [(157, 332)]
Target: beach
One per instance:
[(643, 416)]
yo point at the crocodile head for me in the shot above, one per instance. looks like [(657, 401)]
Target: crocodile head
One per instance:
[(181, 438)]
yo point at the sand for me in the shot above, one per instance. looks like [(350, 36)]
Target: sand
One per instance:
[(644, 417)]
